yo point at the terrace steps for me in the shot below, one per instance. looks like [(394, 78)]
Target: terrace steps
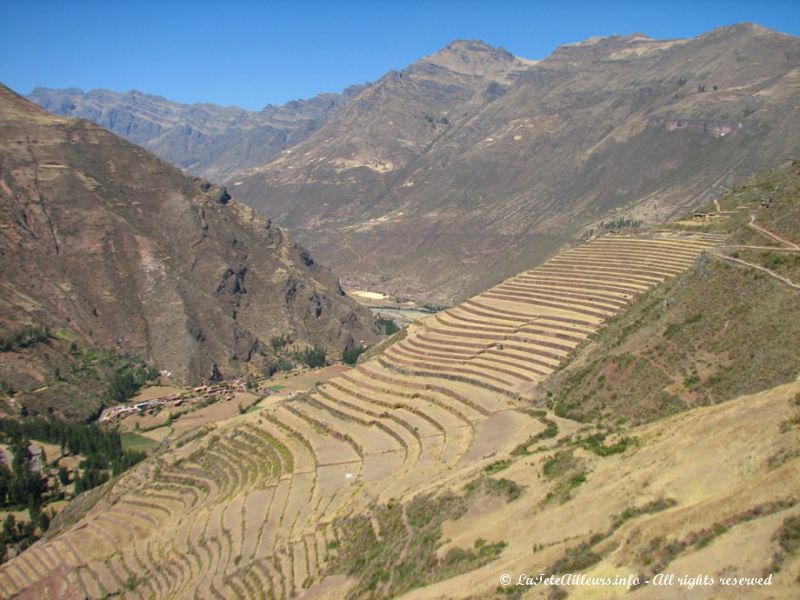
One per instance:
[(253, 514)]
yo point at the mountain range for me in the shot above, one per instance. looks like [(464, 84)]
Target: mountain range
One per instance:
[(472, 164), (205, 139), (620, 415)]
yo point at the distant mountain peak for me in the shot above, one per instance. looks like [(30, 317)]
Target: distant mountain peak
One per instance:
[(744, 28), (613, 39), (471, 49), (472, 57), (470, 45)]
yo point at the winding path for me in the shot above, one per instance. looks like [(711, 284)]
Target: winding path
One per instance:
[(730, 259), (769, 234)]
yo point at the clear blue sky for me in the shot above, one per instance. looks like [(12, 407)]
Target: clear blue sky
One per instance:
[(249, 53)]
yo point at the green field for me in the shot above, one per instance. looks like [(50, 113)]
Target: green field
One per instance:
[(134, 441)]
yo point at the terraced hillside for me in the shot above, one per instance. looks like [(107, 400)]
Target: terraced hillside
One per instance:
[(258, 506)]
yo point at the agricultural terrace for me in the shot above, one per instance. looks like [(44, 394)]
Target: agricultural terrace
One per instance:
[(253, 506)]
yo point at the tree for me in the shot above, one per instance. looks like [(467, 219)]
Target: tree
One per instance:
[(63, 475)]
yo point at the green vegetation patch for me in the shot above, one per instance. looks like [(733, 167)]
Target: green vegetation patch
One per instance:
[(387, 326), (24, 337), (633, 512), (313, 358), (596, 443), (497, 466), (127, 379), (30, 482), (578, 558), (567, 472), (350, 357), (506, 488), (78, 380), (17, 535), (102, 448), (402, 555), (788, 538), (137, 443)]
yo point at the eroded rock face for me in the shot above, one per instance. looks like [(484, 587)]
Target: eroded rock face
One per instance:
[(103, 238)]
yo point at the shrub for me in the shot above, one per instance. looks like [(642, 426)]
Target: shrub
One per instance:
[(280, 342), (562, 462), (594, 443), (283, 364), (388, 326), (497, 466), (789, 534), (312, 357), (350, 357), (576, 559), (511, 490)]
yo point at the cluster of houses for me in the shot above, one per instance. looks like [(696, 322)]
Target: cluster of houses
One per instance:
[(203, 393)]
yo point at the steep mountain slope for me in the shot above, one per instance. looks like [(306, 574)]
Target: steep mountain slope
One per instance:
[(103, 239), (205, 139), (471, 164)]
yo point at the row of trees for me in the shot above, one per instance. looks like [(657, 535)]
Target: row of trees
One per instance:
[(286, 360), (101, 447), (613, 225)]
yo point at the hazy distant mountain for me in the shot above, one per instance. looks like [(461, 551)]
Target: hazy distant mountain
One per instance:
[(103, 239), (205, 139), (472, 164)]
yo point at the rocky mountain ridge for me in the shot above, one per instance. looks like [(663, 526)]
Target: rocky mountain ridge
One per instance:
[(205, 139), (443, 178)]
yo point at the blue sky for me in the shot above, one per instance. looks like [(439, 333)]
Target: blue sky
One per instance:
[(249, 53)]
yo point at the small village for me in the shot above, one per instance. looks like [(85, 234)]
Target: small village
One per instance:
[(201, 395)]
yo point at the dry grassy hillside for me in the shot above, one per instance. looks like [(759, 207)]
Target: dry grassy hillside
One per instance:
[(729, 326)]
